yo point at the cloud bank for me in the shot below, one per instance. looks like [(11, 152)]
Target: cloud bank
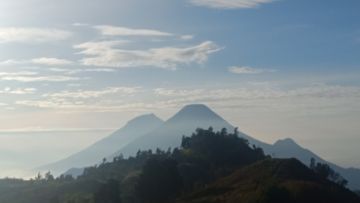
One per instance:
[(105, 54)]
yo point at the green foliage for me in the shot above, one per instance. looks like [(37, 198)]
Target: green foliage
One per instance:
[(108, 193), (221, 149), (157, 176), (159, 182), (326, 172), (208, 155), (49, 177), (272, 181)]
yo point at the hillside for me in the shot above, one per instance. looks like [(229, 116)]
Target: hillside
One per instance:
[(150, 175), (272, 181), (93, 154), (288, 148)]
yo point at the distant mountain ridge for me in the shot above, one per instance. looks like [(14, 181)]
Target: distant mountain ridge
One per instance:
[(168, 134), (288, 148), (91, 155)]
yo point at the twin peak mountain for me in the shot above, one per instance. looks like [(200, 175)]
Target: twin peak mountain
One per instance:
[(150, 132)]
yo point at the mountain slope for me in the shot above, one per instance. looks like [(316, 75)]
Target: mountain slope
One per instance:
[(135, 128), (168, 134), (182, 123), (197, 115), (288, 148), (273, 181)]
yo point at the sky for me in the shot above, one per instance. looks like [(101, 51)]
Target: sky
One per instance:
[(73, 71)]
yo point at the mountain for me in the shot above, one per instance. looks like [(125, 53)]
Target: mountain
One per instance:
[(184, 122), (288, 148), (168, 134), (211, 167), (273, 181), (193, 116), (135, 128)]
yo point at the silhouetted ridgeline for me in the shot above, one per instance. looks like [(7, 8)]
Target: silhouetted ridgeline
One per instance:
[(149, 132), (91, 155), (208, 167)]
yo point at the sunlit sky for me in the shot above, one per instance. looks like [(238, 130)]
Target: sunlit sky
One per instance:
[(71, 71)]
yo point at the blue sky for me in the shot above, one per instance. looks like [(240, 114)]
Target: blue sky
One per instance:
[(276, 69)]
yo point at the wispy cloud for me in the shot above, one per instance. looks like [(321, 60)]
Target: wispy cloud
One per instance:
[(37, 61), (85, 94), (32, 35), (51, 61), (74, 106), (24, 76), (103, 100), (249, 70), (267, 96), (19, 73), (230, 4), (11, 62), (177, 92), (117, 99), (110, 30), (187, 37), (18, 91), (49, 78), (78, 24), (105, 54), (71, 71), (96, 47)]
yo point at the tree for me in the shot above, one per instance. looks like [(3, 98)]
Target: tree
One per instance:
[(38, 177), (49, 176), (108, 193), (326, 172), (221, 149), (159, 182), (312, 163), (65, 178)]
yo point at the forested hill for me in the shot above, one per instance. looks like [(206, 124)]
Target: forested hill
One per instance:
[(209, 167), (273, 180)]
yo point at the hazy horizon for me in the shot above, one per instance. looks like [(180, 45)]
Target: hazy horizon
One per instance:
[(275, 68), (40, 145)]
